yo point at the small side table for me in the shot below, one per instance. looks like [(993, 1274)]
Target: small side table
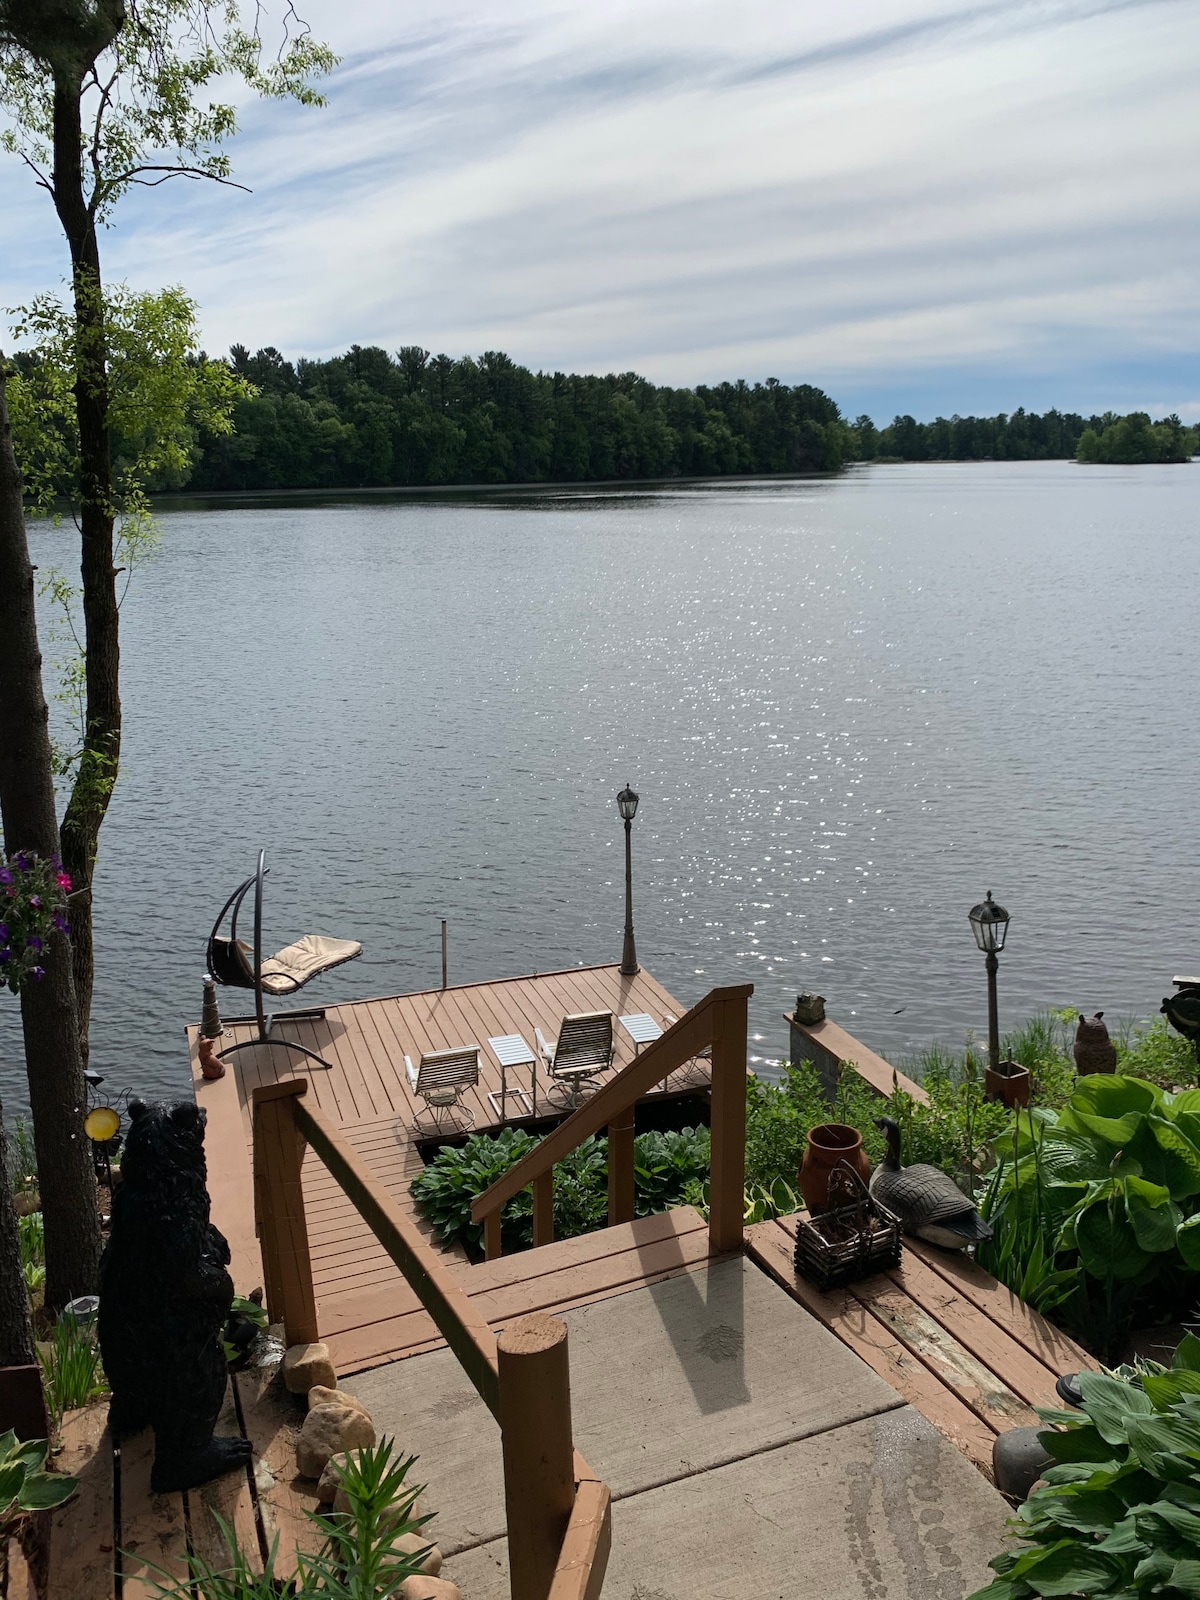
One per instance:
[(641, 1028), (510, 1050)]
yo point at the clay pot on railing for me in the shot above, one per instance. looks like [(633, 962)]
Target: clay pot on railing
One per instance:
[(829, 1145), (1009, 1082)]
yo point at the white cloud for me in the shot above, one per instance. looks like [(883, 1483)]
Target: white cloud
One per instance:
[(859, 196)]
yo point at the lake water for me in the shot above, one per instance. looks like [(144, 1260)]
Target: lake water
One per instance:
[(850, 707)]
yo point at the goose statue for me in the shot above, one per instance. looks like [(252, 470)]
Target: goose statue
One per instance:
[(926, 1201)]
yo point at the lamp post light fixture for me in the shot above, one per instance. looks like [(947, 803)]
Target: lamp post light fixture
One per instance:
[(989, 924), (627, 804)]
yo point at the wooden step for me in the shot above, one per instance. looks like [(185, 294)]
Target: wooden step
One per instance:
[(960, 1347), (367, 1327)]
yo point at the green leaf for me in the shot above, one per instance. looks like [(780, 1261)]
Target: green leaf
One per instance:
[(41, 1490), (1153, 1214), (1187, 1352), (1187, 1241), (1115, 1131), (1125, 1540), (1111, 1095), (1107, 1244), (1166, 1389), (1185, 1576), (1002, 1589), (1077, 1444), (1071, 1567), (12, 1476), (8, 1442), (1110, 1403)]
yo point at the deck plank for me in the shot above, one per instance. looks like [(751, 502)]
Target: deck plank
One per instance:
[(228, 1498), (273, 1418), (771, 1245), (82, 1535), (153, 1536)]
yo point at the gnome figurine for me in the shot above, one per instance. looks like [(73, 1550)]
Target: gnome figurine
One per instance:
[(1094, 1050)]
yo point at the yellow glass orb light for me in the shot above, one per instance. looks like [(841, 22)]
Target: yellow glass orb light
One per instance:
[(100, 1124)]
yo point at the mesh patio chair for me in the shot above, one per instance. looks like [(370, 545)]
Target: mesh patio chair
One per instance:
[(238, 965), (583, 1048), (442, 1078)]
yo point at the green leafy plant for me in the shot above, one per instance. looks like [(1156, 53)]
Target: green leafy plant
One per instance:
[(1114, 1181), (359, 1557), (665, 1165), (459, 1173), (33, 1251), (22, 1158), (24, 1486), (1118, 1513), (71, 1370), (1025, 1227)]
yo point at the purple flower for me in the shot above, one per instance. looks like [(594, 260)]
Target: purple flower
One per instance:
[(37, 974), (60, 922), (5, 875), (33, 942), (35, 900), (5, 957), (3, 932)]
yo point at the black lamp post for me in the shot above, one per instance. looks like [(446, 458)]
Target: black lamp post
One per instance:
[(627, 804), (989, 924)]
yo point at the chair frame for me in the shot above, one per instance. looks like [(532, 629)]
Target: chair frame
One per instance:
[(265, 1019), (440, 1065), (569, 1078)]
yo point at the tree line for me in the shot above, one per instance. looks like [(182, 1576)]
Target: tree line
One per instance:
[(369, 419)]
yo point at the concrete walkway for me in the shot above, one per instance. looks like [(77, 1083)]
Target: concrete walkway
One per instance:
[(750, 1454)]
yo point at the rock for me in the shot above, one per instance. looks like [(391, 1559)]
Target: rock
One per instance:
[(306, 1365), (429, 1589), (319, 1395), (410, 1544), (329, 1430), (1018, 1460)]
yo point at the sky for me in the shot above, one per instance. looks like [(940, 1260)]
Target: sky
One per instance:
[(921, 207)]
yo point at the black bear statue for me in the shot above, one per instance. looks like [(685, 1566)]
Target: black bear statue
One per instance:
[(165, 1293)]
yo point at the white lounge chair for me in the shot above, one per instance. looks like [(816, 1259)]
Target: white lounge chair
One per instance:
[(583, 1048), (442, 1079)]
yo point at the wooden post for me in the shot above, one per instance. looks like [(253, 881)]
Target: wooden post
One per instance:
[(492, 1248), (279, 1199), (727, 1174), (620, 1169), (443, 952), (539, 1459), (543, 1208)]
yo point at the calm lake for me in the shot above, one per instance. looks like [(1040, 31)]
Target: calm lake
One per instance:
[(850, 708)]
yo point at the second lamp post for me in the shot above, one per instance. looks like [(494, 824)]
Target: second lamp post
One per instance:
[(627, 804), (989, 924)]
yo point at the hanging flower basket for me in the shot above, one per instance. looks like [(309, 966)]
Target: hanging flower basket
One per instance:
[(33, 910)]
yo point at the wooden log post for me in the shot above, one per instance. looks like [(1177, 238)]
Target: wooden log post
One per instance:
[(620, 1169), (539, 1458), (279, 1202), (543, 1209), (727, 1173), (493, 1249)]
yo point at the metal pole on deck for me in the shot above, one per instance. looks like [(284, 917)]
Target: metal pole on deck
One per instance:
[(443, 952)]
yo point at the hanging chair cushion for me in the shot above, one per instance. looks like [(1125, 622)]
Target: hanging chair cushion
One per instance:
[(291, 968)]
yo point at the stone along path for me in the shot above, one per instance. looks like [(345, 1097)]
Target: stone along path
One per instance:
[(750, 1454)]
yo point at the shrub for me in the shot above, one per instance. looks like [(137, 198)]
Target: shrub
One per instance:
[(24, 1486), (33, 1251), (1119, 1511), (665, 1164), (71, 1370)]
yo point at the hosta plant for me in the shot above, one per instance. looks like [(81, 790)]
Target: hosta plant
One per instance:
[(1118, 1514), (24, 1486), (1111, 1185)]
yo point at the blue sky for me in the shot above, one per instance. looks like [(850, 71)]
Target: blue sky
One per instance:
[(921, 207)]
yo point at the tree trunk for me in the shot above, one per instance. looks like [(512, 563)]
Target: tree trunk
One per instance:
[(53, 1058), (97, 771)]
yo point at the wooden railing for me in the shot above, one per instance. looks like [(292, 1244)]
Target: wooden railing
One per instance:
[(557, 1509), (717, 1022)]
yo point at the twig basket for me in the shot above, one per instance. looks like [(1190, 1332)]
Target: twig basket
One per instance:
[(854, 1238)]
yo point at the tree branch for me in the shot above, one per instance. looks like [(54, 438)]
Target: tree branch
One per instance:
[(195, 173)]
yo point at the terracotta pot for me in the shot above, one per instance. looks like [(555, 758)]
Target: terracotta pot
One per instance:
[(830, 1144), (1009, 1082)]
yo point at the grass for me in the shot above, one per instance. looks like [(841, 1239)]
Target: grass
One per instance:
[(71, 1370), (22, 1157)]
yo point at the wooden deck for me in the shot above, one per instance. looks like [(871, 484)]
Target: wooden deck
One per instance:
[(960, 1347), (365, 1310)]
